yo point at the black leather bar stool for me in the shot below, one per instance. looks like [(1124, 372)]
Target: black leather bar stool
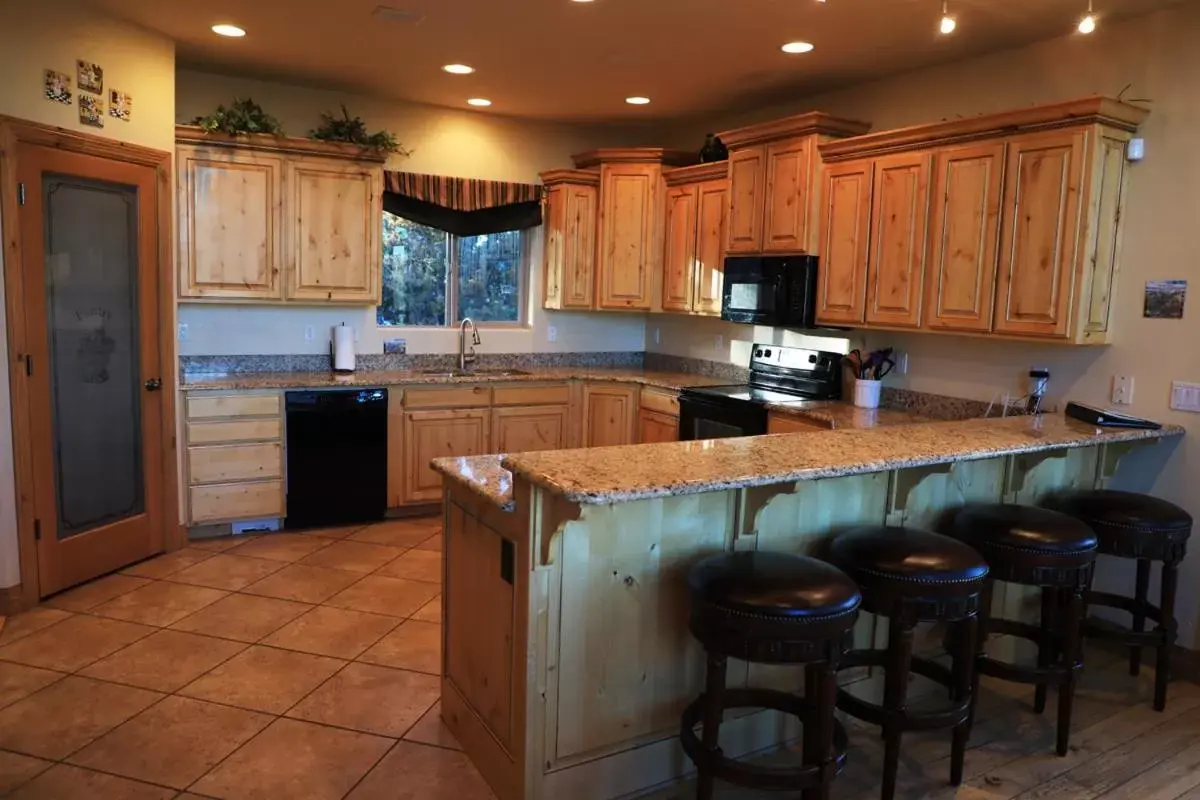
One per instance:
[(1146, 529), (1035, 547), (910, 576), (770, 608)]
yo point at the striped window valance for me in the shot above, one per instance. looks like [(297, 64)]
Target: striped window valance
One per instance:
[(462, 206)]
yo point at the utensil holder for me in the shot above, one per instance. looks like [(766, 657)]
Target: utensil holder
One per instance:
[(866, 393)]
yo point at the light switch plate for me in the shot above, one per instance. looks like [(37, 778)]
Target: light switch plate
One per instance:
[(183, 331), (310, 333), (1185, 396), (552, 334), (1122, 390)]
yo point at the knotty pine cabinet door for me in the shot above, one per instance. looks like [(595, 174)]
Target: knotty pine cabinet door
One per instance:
[(654, 427), (679, 255), (437, 434), (525, 429), (630, 234), (230, 223), (785, 222), (712, 215), (845, 232), (747, 194), (899, 226), (609, 414), (1040, 233), (570, 257), (335, 245), (968, 190)]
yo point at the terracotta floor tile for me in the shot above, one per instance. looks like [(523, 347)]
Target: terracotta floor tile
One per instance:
[(264, 679), (65, 716), (160, 603), (16, 769), (18, 680), (73, 643), (163, 661), (31, 621), (414, 645), (174, 742), (281, 547), (416, 772), (434, 543), (242, 617), (353, 556), (168, 564), (303, 583), (399, 532), (295, 760), (431, 730), (431, 611), (339, 532), (373, 699), (416, 565), (336, 632), (382, 595), (93, 593), (225, 571), (217, 544), (64, 782)]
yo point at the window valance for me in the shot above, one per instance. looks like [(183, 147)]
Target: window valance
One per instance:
[(462, 206)]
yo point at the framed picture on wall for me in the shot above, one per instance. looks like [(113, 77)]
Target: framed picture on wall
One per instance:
[(91, 77)]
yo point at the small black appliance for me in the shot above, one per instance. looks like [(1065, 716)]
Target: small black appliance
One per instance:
[(780, 291)]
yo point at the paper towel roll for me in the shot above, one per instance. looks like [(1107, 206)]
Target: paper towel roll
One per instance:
[(343, 348)]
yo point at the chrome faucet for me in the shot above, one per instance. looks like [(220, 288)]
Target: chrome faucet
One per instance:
[(464, 357)]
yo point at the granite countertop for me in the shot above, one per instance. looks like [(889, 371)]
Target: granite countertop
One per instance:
[(483, 475), (328, 380), (605, 475), (840, 414)]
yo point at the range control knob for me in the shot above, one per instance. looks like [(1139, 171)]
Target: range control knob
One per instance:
[(758, 353), (767, 353)]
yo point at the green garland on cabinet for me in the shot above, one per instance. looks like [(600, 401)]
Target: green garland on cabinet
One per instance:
[(242, 117), (353, 130)]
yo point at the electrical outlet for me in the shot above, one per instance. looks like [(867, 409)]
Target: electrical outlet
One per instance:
[(901, 359), (718, 342), (1122, 390), (658, 335), (310, 333), (1185, 396), (551, 334), (183, 331)]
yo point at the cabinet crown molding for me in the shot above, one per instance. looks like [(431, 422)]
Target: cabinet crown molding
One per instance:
[(292, 145), (634, 155), (806, 124), (1095, 110), (715, 170), (583, 176)]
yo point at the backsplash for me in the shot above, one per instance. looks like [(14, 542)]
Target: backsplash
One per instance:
[(382, 362)]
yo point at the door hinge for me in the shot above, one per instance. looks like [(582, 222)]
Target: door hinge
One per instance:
[(28, 364), (37, 530), (21, 194)]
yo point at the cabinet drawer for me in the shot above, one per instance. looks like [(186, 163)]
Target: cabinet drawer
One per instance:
[(790, 423), (228, 501), (237, 430), (557, 394), (233, 405), (663, 402), (234, 462), (449, 397)]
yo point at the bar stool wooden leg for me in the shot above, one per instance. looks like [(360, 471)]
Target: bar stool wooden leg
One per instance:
[(1046, 644), (1162, 669), (1072, 624), (981, 635), (899, 664), (964, 678), (714, 692), (820, 680), (1139, 619)]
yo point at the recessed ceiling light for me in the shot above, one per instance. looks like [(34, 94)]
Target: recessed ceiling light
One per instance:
[(637, 101), (798, 47), (581, 1), (479, 101), (458, 69), (228, 30)]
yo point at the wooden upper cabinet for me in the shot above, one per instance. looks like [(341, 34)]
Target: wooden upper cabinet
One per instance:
[(679, 256), (437, 434), (747, 195), (1040, 233), (788, 196), (570, 216), (609, 414), (899, 223), (712, 211), (230, 244), (630, 235), (336, 232), (845, 232), (968, 189)]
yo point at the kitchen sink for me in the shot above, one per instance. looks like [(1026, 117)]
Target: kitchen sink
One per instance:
[(459, 373), (495, 372)]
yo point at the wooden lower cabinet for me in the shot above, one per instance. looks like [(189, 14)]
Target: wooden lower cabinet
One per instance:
[(654, 426), (438, 434), (609, 414), (789, 423), (525, 429)]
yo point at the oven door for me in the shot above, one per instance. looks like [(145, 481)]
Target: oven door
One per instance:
[(710, 418)]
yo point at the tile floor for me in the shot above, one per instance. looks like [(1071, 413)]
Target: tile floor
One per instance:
[(291, 665)]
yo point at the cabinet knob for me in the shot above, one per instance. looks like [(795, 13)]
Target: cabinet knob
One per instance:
[(153, 385)]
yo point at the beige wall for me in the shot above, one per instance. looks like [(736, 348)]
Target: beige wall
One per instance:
[(1158, 56), (443, 142), (35, 36)]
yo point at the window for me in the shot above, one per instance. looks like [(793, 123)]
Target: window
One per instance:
[(431, 277)]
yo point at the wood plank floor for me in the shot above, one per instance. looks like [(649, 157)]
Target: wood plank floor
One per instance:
[(1121, 749)]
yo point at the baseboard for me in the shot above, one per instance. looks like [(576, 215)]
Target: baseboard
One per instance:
[(12, 600)]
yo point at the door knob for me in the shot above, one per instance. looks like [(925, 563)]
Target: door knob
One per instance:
[(154, 384)]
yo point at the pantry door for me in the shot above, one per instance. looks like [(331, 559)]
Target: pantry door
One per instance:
[(89, 233)]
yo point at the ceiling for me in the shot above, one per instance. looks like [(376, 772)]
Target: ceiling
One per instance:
[(562, 60)]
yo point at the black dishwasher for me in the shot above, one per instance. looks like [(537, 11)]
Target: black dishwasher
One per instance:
[(336, 457)]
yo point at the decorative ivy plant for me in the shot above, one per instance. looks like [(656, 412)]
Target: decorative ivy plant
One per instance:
[(241, 117), (353, 130)]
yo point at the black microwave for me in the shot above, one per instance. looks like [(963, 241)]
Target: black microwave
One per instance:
[(780, 291)]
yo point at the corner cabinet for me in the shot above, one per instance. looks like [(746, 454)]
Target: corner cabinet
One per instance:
[(694, 247), (269, 219)]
